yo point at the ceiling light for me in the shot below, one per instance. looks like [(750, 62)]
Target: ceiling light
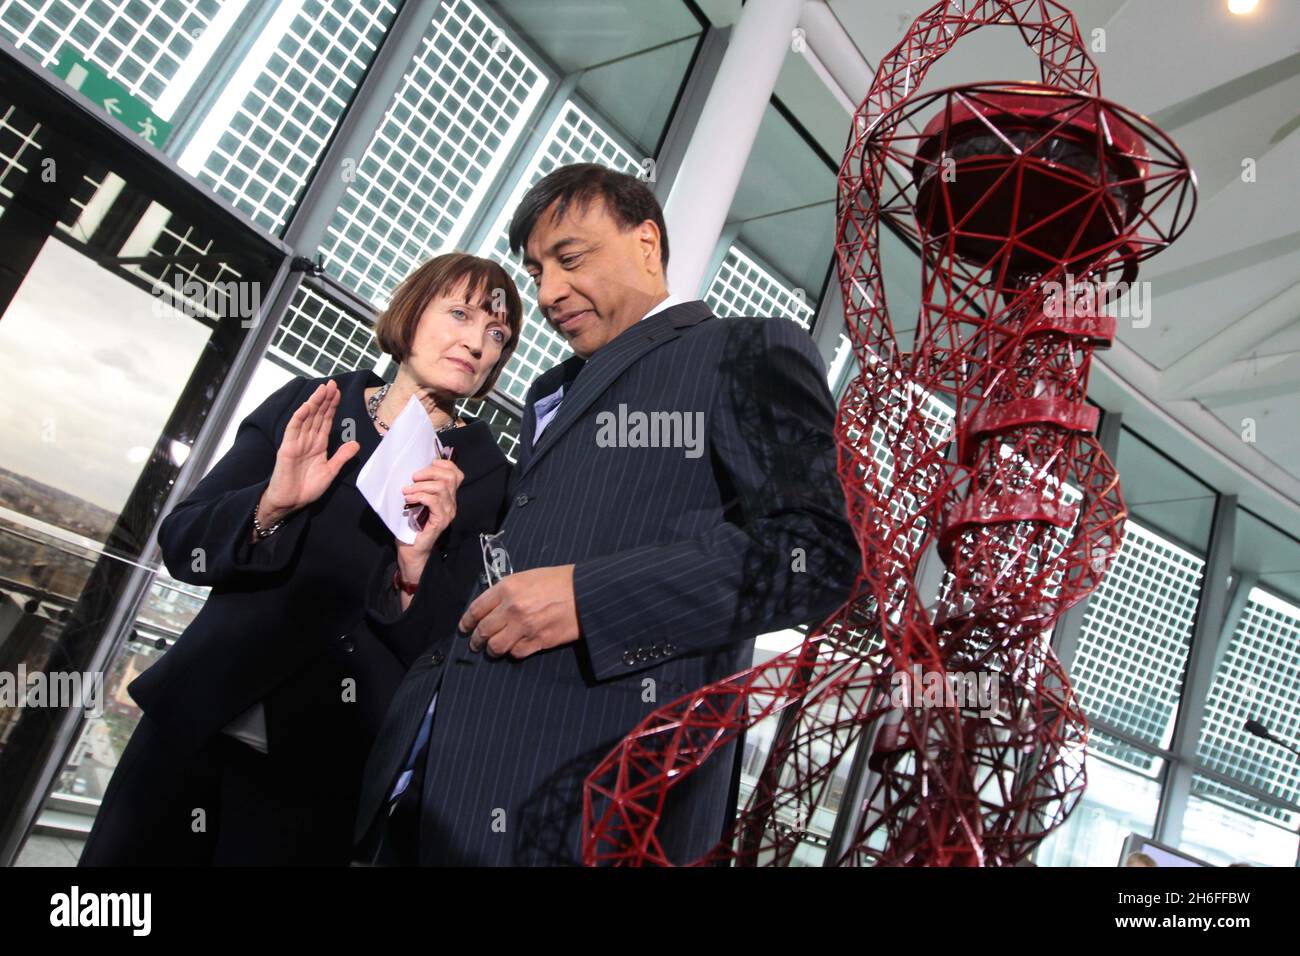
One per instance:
[(1242, 7)]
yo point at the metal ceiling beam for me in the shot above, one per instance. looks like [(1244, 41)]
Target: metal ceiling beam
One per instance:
[(1182, 379), (1124, 381), (1252, 379)]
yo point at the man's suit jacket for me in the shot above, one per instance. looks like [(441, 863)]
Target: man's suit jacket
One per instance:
[(681, 557)]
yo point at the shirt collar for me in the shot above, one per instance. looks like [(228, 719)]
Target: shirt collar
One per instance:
[(555, 396), (667, 303)]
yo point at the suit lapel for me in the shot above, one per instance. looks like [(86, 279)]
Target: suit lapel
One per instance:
[(604, 368)]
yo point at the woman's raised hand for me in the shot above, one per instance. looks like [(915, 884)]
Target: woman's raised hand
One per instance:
[(302, 468)]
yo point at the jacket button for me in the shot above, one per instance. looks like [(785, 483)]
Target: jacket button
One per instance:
[(668, 648), (521, 500), (642, 654), (436, 658), (349, 645), (629, 658)]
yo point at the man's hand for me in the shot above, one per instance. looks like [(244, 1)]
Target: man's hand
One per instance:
[(526, 612)]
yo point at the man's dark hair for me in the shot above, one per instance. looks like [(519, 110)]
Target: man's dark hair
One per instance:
[(628, 200)]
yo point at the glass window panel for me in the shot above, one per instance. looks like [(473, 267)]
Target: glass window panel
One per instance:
[(743, 287), (253, 91), (260, 158), (84, 410), (633, 94), (139, 43), (1118, 801), (784, 211), (503, 422), (319, 337), (574, 137), (1268, 555), (19, 152), (435, 154), (1255, 679), (71, 471), (1132, 650), (1162, 495), (629, 56), (112, 343), (1223, 825)]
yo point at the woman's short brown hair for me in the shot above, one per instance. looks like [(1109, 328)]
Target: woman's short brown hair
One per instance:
[(396, 325)]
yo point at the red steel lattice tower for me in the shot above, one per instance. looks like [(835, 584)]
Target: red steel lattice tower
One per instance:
[(971, 452)]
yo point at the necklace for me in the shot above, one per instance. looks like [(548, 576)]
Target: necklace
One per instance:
[(377, 399)]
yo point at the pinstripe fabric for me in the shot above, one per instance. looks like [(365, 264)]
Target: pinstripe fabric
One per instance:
[(679, 562)]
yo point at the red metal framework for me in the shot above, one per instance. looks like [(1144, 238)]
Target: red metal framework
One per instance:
[(1025, 200)]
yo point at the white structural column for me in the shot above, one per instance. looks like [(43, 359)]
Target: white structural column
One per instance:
[(706, 183), (834, 57)]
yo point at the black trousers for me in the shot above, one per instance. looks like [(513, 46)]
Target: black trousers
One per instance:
[(227, 804)]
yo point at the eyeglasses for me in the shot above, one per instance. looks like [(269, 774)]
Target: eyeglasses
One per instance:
[(496, 561)]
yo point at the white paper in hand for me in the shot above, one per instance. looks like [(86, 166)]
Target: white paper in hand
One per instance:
[(409, 445)]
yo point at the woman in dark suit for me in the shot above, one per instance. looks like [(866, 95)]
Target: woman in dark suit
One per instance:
[(257, 722)]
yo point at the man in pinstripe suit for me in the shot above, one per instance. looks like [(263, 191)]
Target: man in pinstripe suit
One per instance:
[(646, 554)]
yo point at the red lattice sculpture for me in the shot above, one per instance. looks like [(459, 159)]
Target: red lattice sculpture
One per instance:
[(1013, 193)]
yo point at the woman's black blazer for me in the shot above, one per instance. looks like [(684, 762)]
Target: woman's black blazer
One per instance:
[(285, 621)]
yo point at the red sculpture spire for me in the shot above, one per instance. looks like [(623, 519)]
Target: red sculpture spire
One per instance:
[(1027, 203)]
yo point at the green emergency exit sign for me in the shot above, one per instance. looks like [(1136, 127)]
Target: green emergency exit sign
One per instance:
[(111, 96)]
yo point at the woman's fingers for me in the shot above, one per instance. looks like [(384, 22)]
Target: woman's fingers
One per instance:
[(324, 414), (342, 456), (438, 469), (428, 499), (294, 430), (324, 419), (430, 488), (312, 406), (444, 484), (441, 510), (433, 488)]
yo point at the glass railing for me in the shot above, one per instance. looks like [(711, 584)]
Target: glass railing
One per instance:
[(42, 571)]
